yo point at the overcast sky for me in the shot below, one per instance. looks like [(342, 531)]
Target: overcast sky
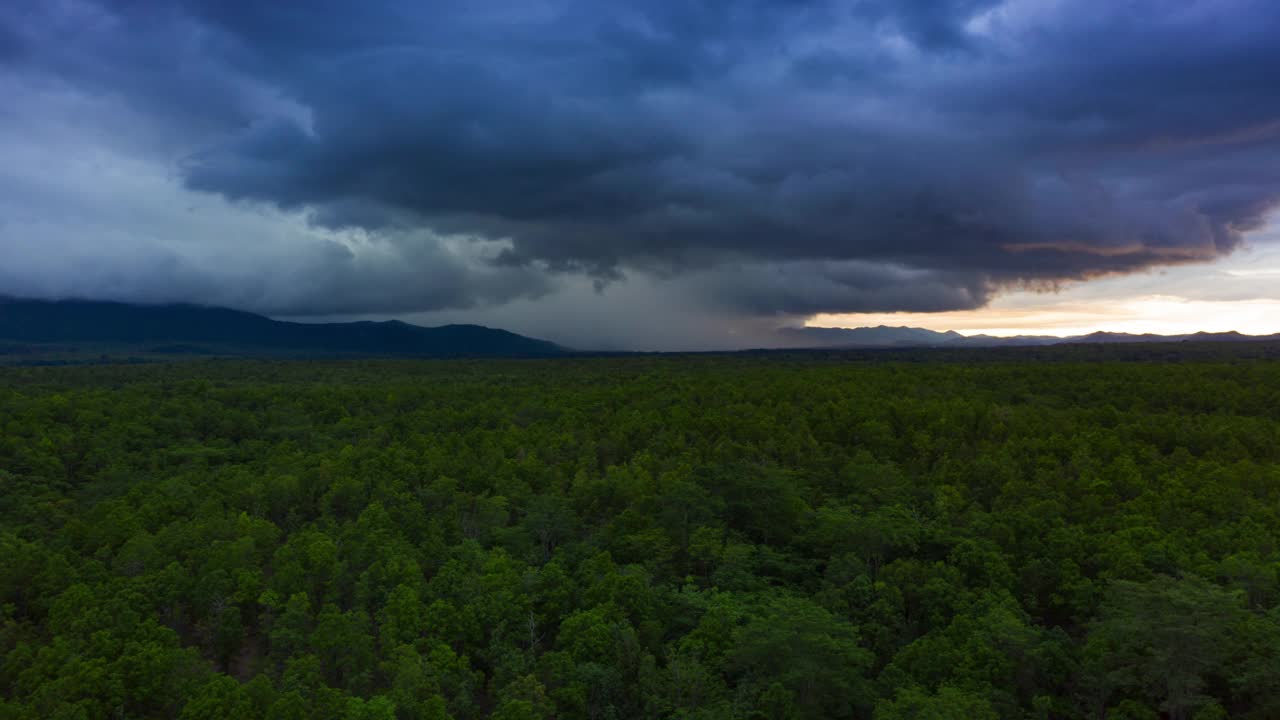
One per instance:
[(662, 174)]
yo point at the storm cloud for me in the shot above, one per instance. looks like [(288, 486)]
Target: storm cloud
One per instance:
[(760, 158)]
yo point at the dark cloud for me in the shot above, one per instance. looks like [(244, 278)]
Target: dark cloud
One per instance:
[(801, 288), (777, 157), (305, 276), (12, 43), (929, 24)]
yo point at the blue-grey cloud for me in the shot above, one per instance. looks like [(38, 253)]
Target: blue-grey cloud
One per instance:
[(779, 156)]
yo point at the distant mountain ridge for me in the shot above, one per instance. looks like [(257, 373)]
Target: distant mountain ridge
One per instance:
[(885, 336), (181, 329), (179, 325), (881, 336)]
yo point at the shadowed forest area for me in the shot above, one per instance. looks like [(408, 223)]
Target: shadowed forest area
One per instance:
[(768, 536)]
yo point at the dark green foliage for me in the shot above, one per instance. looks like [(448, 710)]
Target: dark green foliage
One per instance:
[(704, 537)]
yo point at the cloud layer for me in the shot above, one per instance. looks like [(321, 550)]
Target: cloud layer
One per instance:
[(760, 157)]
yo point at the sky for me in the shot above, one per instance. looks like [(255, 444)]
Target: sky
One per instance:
[(666, 174)]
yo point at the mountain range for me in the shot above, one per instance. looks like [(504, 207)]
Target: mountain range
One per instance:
[(192, 329), (885, 336)]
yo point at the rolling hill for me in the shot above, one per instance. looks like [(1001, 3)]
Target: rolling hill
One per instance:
[(193, 329)]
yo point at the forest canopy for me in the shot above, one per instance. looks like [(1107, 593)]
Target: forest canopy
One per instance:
[(650, 537)]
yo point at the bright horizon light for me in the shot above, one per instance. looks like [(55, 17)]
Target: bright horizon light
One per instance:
[(1240, 293), (1159, 314)]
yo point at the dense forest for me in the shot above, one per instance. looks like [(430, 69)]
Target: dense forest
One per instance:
[(653, 537)]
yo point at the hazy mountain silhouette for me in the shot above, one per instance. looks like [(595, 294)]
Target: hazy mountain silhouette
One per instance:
[(882, 336), (188, 327), (909, 337), (180, 329)]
